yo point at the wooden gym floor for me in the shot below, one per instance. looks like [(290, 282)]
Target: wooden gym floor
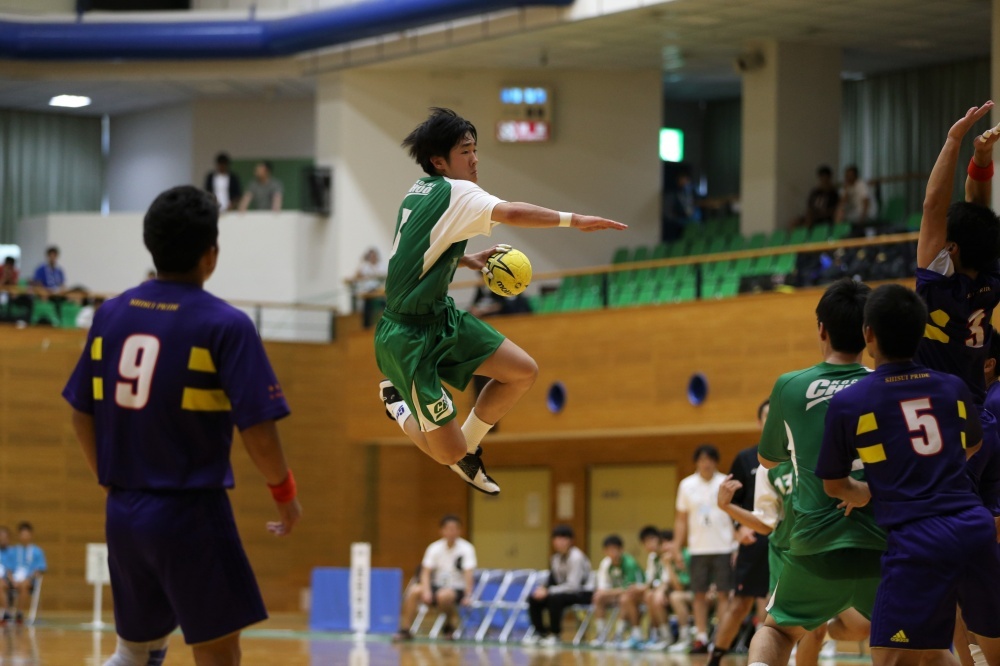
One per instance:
[(62, 640)]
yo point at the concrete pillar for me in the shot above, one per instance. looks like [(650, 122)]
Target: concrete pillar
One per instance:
[(791, 125)]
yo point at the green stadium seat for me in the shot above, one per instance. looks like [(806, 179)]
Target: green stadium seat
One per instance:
[(44, 310), (784, 264), (736, 243), (742, 267), (731, 226), (894, 211), (591, 300), (641, 253), (660, 251), (679, 248), (68, 313), (718, 244), (777, 238), (709, 288), (569, 283), (698, 247), (756, 242), (819, 233), (620, 256), (646, 294), (840, 231), (798, 236), (762, 266), (729, 287), (688, 291), (692, 231), (592, 281)]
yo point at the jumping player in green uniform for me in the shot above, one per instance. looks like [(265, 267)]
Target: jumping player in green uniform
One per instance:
[(832, 562), (423, 341)]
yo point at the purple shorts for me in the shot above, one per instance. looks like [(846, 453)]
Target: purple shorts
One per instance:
[(176, 559), (931, 565)]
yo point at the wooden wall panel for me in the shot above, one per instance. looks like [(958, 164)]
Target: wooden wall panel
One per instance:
[(625, 371)]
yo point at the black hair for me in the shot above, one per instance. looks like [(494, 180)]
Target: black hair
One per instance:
[(222, 158), (562, 531), (841, 310), (25, 525), (994, 349), (760, 410), (975, 230), (436, 136), (706, 450), (898, 318), (648, 531), (52, 248), (824, 170), (450, 518), (852, 167), (667, 535), (613, 540), (9, 260), (180, 227)]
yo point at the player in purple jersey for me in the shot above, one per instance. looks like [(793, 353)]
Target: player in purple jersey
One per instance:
[(986, 463), (913, 429), (957, 255), (167, 372)]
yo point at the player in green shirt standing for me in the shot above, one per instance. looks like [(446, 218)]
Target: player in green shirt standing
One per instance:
[(833, 557), (423, 341)]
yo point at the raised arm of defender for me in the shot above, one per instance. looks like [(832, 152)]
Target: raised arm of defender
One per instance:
[(934, 225), (529, 215)]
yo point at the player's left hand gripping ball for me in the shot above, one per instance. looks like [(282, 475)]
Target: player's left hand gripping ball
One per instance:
[(507, 273)]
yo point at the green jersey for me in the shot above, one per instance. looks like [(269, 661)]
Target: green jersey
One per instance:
[(618, 576), (436, 219), (794, 432)]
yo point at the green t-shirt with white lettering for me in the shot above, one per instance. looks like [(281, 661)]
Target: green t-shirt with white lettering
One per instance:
[(794, 431), (435, 221)]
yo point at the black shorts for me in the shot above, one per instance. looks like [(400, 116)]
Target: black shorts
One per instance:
[(753, 574), (459, 595)]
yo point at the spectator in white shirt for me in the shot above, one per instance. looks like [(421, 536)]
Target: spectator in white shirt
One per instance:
[(708, 533), (445, 577), (857, 205), (224, 184)]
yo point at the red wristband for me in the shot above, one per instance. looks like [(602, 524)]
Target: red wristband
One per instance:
[(978, 173), (285, 491)]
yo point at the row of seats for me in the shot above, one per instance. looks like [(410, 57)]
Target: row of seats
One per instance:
[(732, 242), (62, 316)]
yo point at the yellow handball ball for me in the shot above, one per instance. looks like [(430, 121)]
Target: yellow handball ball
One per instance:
[(511, 273)]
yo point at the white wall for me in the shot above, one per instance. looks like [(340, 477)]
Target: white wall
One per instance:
[(251, 128), (603, 158), (150, 152)]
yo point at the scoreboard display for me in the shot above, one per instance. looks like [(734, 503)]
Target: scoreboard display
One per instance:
[(525, 114)]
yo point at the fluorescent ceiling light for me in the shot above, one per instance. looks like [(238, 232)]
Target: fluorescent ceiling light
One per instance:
[(69, 101)]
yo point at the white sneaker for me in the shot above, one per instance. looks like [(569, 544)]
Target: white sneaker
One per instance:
[(531, 640), (683, 645), (656, 646), (596, 643), (549, 641), (471, 470)]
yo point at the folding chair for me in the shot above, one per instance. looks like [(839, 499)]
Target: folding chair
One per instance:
[(36, 595), (487, 591), (584, 612), (515, 601)]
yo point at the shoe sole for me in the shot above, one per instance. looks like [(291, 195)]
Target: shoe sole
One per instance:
[(485, 492)]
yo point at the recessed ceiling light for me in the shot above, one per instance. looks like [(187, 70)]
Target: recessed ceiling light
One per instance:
[(70, 101)]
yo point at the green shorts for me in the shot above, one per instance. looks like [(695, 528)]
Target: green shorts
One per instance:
[(776, 557), (418, 353), (812, 589)]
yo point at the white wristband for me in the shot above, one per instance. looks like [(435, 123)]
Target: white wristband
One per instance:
[(565, 219)]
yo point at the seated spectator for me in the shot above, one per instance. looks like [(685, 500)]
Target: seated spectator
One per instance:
[(49, 276), (224, 184), (9, 287), (617, 573), (821, 206), (369, 285), (857, 205), (645, 593), (9, 275), (25, 564), (264, 192), (5, 570), (445, 578), (679, 209), (669, 589), (569, 573)]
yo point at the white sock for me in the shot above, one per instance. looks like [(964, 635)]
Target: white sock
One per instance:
[(402, 413), (664, 631), (474, 430), (702, 637), (139, 654), (977, 655), (621, 628), (757, 663), (637, 633), (600, 625), (684, 633)]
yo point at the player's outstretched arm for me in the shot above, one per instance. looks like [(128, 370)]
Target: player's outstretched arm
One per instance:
[(530, 215), (264, 446), (83, 426), (934, 224), (980, 191)]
